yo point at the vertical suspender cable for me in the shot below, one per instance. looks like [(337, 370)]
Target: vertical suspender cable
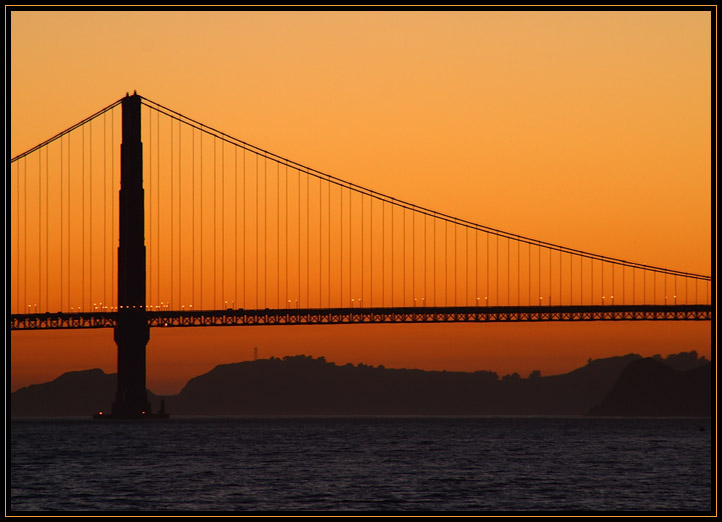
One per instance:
[(328, 208), (350, 246), (149, 271), (393, 250), (508, 271), (476, 263), (581, 279), (571, 278), (16, 238), (24, 308), (654, 288), (320, 243), (265, 232), (361, 300), (223, 223), (435, 222), (243, 229), (105, 209), (539, 254), (403, 271), (235, 226), (446, 263), (328, 226), (172, 217), (200, 220), (47, 234), (60, 235), (308, 241), (455, 229), (257, 217), (298, 305), (466, 256), (193, 216), (18, 266), (560, 277), (40, 234), (82, 265), (180, 303), (286, 255), (529, 267), (371, 252), (90, 217), (496, 271), (278, 235), (113, 258), (426, 278), (69, 214), (487, 296), (157, 206), (550, 276), (215, 227), (38, 305), (392, 253), (340, 264)]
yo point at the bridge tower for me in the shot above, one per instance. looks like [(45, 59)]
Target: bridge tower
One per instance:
[(132, 331)]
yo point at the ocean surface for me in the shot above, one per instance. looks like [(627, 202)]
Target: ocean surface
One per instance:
[(370, 464)]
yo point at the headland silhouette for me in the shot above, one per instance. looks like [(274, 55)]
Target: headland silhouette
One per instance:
[(679, 385)]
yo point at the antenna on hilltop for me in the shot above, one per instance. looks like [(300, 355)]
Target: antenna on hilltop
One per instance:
[(255, 353)]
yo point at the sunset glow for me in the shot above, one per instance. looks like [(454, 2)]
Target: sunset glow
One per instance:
[(590, 130)]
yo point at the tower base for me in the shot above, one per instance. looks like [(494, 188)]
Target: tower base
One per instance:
[(143, 415), (147, 416)]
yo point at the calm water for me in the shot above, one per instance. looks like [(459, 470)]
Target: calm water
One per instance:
[(362, 464)]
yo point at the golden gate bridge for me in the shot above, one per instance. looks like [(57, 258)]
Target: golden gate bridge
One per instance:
[(141, 217)]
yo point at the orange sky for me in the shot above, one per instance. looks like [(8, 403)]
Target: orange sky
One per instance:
[(587, 129)]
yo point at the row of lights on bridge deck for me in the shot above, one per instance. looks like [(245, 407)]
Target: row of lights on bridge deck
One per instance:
[(166, 306)]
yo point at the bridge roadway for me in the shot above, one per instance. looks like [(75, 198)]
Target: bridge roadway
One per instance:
[(429, 314)]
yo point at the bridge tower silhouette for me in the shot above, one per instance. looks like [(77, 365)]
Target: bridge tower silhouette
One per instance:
[(132, 331)]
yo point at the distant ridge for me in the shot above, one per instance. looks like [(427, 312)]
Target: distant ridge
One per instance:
[(73, 394), (302, 385), (649, 388)]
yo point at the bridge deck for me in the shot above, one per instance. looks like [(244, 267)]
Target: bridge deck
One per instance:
[(295, 316)]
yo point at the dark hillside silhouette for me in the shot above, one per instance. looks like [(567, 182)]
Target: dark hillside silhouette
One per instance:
[(73, 394), (302, 385), (649, 388)]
